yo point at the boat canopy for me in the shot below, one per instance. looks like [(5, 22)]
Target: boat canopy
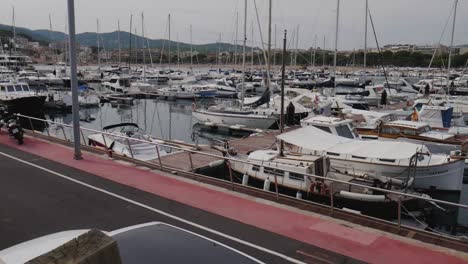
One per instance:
[(314, 139)]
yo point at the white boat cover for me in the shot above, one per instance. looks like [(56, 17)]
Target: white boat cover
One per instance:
[(314, 139)]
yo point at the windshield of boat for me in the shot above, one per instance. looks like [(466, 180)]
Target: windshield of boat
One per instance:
[(424, 129), (345, 131)]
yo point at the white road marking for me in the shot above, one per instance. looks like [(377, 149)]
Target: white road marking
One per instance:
[(240, 241)]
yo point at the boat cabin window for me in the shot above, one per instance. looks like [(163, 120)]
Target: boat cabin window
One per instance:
[(124, 82), (10, 88), (256, 168), (333, 154), (344, 131), (26, 88), (424, 129), (296, 176), (388, 160), (409, 131), (271, 171), (390, 130), (113, 81), (18, 88), (324, 128), (2, 89)]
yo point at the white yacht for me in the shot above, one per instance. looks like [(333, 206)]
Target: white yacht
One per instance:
[(119, 84), (394, 159), (127, 148)]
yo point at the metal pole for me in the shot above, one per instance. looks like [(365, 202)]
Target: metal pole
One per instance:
[(31, 124), (451, 43), (332, 202), (365, 42), (74, 79), (399, 213), (130, 149), (283, 73), (243, 54), (230, 174), (276, 187), (47, 128), (159, 157), (64, 134), (336, 38), (82, 137), (191, 161)]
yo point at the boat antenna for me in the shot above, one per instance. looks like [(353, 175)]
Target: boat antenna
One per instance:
[(378, 47), (283, 74)]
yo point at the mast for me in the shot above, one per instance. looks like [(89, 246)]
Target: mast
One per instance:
[(297, 46), (178, 52), (243, 53), (236, 38), (219, 51), (130, 40), (253, 44), (323, 51), (365, 42), (143, 44), (50, 37), (14, 30), (191, 49), (98, 46), (283, 74), (274, 51), (315, 50), (169, 46), (336, 39), (451, 43), (118, 37), (269, 44)]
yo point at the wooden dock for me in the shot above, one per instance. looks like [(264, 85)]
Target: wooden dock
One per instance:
[(181, 160)]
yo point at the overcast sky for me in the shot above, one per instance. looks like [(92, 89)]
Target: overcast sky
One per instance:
[(396, 21)]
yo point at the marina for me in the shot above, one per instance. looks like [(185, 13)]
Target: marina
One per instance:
[(262, 149)]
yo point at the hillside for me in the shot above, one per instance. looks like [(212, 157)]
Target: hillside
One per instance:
[(110, 40)]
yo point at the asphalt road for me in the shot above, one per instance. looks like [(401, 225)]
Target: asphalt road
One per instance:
[(34, 202)]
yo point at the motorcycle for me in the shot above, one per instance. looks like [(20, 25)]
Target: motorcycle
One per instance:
[(14, 128)]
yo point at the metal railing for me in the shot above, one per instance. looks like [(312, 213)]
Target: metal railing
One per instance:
[(228, 161)]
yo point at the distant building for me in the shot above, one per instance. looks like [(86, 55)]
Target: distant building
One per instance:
[(463, 51)]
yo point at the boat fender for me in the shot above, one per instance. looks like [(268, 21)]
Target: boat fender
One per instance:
[(410, 182), (245, 180), (266, 185), (299, 195), (216, 163)]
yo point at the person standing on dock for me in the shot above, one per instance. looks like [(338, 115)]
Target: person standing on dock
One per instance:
[(383, 98)]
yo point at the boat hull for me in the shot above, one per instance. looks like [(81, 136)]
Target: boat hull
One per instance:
[(28, 104), (447, 177), (252, 121)]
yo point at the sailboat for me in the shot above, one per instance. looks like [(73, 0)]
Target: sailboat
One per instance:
[(243, 116)]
